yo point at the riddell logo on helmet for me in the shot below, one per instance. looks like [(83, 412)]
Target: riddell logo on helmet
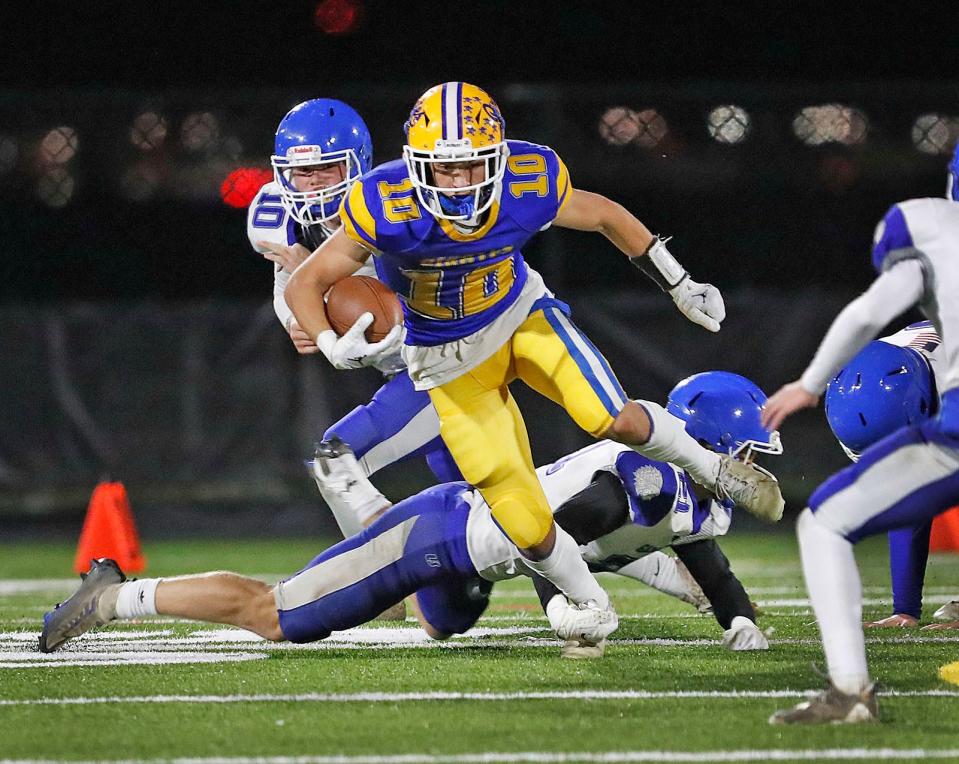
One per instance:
[(304, 149)]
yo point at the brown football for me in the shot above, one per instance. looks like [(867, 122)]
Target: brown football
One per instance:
[(350, 298)]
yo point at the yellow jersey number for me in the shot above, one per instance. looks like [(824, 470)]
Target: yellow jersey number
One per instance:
[(528, 164), (432, 294)]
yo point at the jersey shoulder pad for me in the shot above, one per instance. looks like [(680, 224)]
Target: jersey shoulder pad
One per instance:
[(892, 237), (267, 219), (382, 210), (536, 185)]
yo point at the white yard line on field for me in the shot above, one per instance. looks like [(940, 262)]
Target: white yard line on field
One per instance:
[(444, 696), (559, 757)]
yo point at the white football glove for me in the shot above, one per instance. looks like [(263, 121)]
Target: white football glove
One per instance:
[(743, 634), (352, 351), (700, 303)]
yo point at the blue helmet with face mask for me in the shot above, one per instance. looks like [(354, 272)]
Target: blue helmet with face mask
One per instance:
[(884, 387), (722, 411), (323, 131), (952, 189)]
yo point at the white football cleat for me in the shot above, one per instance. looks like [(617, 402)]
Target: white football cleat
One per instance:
[(743, 635), (586, 623), (948, 612), (351, 496), (750, 487)]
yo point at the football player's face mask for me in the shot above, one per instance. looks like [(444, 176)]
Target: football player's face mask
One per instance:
[(322, 146), (456, 151)]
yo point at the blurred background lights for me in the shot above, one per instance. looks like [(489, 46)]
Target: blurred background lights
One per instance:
[(652, 128), (935, 133), (55, 187), (339, 17), (619, 126), (58, 146), (9, 153), (830, 123), (728, 124), (199, 131), (148, 131), (242, 184)]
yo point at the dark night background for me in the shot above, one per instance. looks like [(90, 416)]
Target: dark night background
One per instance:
[(767, 138)]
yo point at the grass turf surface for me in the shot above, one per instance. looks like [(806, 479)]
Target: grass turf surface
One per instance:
[(662, 646)]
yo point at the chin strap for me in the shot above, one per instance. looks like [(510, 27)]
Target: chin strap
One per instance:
[(657, 263)]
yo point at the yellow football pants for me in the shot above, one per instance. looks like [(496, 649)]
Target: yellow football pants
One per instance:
[(484, 430)]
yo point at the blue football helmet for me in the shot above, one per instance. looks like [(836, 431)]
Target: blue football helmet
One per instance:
[(952, 189), (722, 411), (319, 132), (884, 387)]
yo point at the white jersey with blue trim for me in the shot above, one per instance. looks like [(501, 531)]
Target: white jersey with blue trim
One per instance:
[(927, 230), (267, 220), (924, 339), (496, 558)]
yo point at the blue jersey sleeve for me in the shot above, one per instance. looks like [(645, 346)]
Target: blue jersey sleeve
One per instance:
[(892, 239)]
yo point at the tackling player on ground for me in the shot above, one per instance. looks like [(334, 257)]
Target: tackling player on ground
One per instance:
[(903, 480), (444, 545), (447, 224)]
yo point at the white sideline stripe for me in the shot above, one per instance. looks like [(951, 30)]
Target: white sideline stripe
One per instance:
[(558, 757), (124, 658), (416, 697)]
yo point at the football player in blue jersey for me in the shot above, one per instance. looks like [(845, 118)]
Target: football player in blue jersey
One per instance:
[(902, 481), (322, 147), (889, 384), (447, 224), (444, 546)]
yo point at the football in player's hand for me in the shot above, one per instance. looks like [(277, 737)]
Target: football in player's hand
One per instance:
[(350, 298)]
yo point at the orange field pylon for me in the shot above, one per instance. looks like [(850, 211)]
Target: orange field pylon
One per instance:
[(945, 532), (108, 530)]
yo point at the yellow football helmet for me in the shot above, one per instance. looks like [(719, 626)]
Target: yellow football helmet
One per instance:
[(451, 123)]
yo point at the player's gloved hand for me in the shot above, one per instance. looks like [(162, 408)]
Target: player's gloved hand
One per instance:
[(700, 303), (352, 351), (743, 634)]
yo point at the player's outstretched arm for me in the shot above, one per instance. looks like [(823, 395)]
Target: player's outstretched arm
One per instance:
[(584, 211), (891, 293)]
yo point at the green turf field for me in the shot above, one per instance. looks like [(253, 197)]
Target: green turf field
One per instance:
[(666, 690)]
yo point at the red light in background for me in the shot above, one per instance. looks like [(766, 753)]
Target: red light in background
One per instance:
[(242, 184), (338, 17)]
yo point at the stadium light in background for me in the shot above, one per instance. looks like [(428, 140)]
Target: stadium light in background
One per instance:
[(242, 184), (9, 153), (620, 126), (339, 17), (729, 124), (935, 133), (199, 131), (830, 123), (56, 186), (58, 146), (149, 131)]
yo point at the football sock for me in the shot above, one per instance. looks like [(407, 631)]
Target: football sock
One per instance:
[(669, 442), (566, 568), (137, 598), (832, 580), (659, 571)]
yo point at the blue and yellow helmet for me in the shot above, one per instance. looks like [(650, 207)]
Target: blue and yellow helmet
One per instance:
[(452, 123), (318, 132)]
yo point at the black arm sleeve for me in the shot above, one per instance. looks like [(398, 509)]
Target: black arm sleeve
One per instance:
[(600, 508), (709, 566)]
